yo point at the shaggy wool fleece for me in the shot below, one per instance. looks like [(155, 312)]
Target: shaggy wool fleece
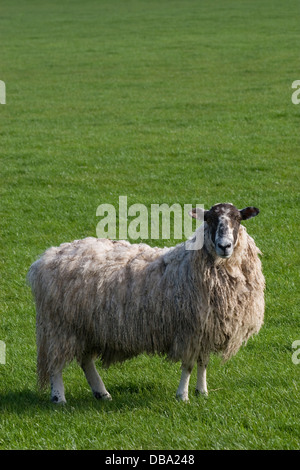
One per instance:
[(116, 300)]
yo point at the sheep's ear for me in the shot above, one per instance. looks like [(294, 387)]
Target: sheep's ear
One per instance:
[(249, 212), (198, 213)]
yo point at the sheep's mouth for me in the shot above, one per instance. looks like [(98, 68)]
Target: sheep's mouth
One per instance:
[(225, 256), (224, 249)]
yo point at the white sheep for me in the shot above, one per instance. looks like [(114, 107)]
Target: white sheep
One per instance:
[(113, 300)]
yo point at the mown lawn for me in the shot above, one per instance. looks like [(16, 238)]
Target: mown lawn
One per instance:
[(164, 102)]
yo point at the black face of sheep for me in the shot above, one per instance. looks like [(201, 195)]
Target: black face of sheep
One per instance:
[(223, 222)]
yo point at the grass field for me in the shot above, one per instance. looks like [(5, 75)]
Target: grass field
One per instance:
[(162, 101)]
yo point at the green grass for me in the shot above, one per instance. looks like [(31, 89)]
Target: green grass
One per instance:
[(162, 101)]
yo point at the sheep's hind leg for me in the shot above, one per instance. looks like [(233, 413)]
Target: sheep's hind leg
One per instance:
[(201, 387), (183, 389), (57, 389), (94, 379)]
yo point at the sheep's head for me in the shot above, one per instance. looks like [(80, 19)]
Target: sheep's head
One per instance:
[(222, 226)]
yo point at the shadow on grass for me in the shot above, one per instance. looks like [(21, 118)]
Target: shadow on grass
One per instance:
[(125, 396), (20, 401)]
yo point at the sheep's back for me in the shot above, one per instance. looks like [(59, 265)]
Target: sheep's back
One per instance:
[(78, 280)]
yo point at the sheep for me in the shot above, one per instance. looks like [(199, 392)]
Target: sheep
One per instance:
[(115, 300)]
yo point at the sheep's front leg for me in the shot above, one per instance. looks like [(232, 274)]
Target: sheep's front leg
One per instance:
[(201, 387), (94, 379), (57, 388), (183, 389)]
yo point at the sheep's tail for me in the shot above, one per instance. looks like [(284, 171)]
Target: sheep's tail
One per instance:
[(31, 276), (43, 366)]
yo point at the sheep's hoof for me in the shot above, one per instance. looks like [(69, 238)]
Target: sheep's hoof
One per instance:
[(58, 401), (182, 397), (203, 393), (102, 396)]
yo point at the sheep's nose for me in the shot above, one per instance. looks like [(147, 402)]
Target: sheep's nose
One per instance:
[(224, 247)]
